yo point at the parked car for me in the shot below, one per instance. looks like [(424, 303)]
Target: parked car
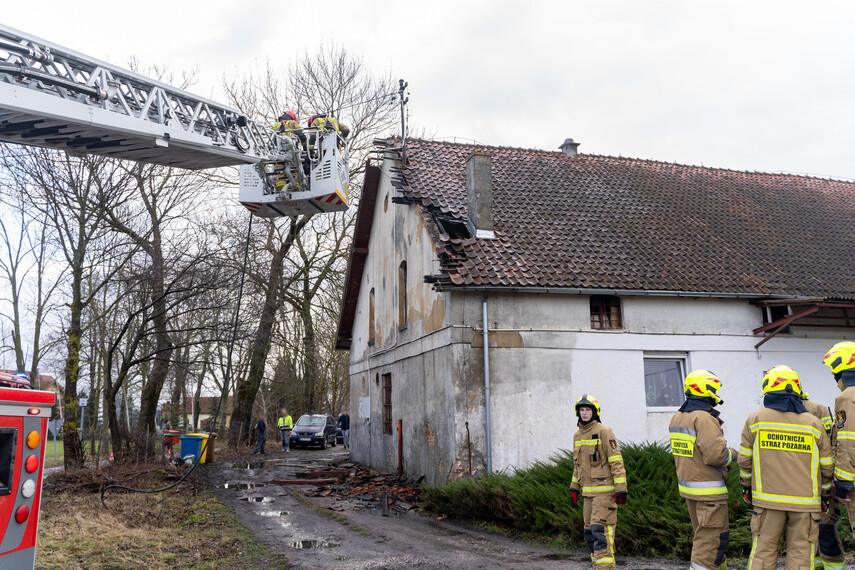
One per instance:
[(314, 429)]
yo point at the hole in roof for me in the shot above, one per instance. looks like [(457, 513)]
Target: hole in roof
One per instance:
[(453, 228)]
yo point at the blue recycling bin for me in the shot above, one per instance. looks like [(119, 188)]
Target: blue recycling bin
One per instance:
[(190, 445)]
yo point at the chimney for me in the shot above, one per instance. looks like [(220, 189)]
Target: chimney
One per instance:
[(479, 194), (570, 148)]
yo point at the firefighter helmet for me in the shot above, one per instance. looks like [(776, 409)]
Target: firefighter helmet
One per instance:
[(840, 357), (703, 383), (313, 117), (589, 401), (781, 379), (289, 116)]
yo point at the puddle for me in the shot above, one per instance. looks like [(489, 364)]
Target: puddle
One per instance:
[(242, 486), (311, 544), (258, 499), (274, 513)]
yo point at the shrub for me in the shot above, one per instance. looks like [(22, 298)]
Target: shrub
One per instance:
[(654, 522)]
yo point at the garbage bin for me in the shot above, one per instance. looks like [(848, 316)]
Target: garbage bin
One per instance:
[(208, 453), (190, 445)]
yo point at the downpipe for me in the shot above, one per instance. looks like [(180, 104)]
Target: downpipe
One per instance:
[(485, 335)]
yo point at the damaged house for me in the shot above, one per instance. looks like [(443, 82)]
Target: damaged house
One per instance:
[(612, 276)]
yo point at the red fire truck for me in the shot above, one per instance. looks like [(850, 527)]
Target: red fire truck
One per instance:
[(24, 415)]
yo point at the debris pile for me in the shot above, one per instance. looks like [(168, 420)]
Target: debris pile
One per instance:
[(366, 489)]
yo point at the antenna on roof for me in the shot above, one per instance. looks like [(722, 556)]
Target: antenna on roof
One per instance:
[(402, 86)]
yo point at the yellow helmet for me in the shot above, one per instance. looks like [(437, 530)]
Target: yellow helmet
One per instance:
[(840, 357), (779, 378), (591, 402), (703, 383)]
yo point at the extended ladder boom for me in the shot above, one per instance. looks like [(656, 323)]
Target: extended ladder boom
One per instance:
[(54, 97)]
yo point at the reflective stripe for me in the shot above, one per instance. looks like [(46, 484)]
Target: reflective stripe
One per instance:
[(604, 561), (702, 487), (826, 486), (694, 566), (614, 458), (785, 499), (753, 550), (846, 435), (596, 489), (826, 461), (833, 565), (788, 427), (844, 475), (744, 474), (745, 451), (587, 442), (687, 431), (728, 457), (827, 423), (620, 480)]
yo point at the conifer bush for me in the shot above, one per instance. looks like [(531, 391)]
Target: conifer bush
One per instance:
[(654, 522)]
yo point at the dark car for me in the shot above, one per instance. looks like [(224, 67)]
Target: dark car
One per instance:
[(339, 437), (314, 429)]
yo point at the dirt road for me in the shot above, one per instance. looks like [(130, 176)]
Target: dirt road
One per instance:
[(328, 532)]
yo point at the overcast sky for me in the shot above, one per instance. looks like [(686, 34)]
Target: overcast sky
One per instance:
[(746, 85)]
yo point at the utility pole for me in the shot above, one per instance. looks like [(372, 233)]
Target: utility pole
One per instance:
[(402, 86)]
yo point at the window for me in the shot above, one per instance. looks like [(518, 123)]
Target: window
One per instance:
[(387, 404), (371, 332), (605, 312), (663, 381), (402, 296), (772, 313)]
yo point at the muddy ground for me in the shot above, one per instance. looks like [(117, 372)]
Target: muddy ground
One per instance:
[(351, 531)]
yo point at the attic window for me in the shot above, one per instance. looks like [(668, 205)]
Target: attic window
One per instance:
[(605, 312), (453, 228), (772, 313)]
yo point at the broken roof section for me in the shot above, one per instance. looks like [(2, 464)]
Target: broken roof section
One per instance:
[(605, 223)]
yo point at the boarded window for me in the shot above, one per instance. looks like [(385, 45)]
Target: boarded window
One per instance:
[(605, 312), (663, 381), (387, 404), (402, 295), (371, 332)]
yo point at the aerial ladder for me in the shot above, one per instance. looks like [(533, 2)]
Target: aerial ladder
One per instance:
[(51, 96)]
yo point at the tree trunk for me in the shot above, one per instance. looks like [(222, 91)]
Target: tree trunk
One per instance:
[(70, 436)]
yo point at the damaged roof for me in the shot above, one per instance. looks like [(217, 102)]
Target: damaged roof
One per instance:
[(600, 222)]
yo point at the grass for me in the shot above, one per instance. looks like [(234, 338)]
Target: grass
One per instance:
[(187, 530), (536, 503)]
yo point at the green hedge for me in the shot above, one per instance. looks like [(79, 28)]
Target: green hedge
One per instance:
[(654, 522)]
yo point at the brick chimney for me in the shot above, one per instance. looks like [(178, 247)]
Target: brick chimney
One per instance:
[(479, 195), (570, 147)]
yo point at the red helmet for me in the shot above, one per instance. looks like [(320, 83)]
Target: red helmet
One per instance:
[(289, 116), (313, 117)]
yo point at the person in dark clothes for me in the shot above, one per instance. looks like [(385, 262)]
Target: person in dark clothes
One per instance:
[(261, 430), (344, 424)]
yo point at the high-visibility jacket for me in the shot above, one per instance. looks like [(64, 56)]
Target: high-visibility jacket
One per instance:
[(786, 459), (597, 463), (820, 411), (286, 422), (338, 126), (701, 455), (844, 452), (287, 125)]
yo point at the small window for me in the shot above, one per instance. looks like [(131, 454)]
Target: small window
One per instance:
[(605, 312), (402, 296), (663, 381), (387, 404), (371, 333), (772, 313)]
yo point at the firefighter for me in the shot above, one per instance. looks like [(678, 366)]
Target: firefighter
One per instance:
[(599, 474), (321, 122), (702, 458), (841, 359), (785, 468), (820, 411), (830, 515), (288, 124)]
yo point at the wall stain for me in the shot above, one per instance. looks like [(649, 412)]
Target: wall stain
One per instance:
[(499, 339)]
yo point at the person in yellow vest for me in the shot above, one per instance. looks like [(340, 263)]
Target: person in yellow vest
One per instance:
[(288, 124), (286, 424), (841, 360), (323, 123), (599, 474), (785, 468), (702, 458)]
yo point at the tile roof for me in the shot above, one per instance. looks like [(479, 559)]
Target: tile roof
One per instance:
[(600, 222)]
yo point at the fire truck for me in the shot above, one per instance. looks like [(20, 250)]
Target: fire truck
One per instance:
[(51, 96), (24, 415)]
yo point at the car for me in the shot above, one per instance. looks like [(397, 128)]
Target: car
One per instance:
[(339, 437), (314, 429)]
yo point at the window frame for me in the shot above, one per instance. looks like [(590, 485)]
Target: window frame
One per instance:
[(372, 331), (402, 295), (680, 357), (387, 403), (603, 314)]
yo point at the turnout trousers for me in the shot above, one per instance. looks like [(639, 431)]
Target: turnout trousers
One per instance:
[(831, 555), (600, 514), (767, 526), (712, 534)]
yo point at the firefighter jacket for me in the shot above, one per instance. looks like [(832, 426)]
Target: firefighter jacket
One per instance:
[(597, 463), (820, 411), (288, 125), (701, 455), (844, 454), (337, 125), (786, 459)]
